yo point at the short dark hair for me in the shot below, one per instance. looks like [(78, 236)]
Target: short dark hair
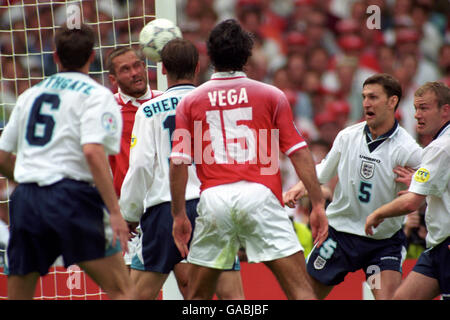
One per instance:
[(229, 46), (74, 46), (390, 85), (109, 65), (180, 58)]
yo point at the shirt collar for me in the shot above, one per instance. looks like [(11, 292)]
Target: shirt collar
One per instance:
[(181, 86), (384, 135), (126, 98), (442, 130), (373, 144), (228, 75)]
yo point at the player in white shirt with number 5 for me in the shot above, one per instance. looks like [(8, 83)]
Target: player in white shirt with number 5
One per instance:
[(364, 156)]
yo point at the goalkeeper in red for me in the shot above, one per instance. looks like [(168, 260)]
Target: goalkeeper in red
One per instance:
[(229, 127), (128, 72)]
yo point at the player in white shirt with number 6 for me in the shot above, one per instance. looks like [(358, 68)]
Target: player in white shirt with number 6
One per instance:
[(62, 131)]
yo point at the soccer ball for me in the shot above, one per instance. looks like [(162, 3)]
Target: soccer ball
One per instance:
[(155, 35)]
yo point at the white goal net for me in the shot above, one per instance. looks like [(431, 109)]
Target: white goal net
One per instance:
[(27, 28)]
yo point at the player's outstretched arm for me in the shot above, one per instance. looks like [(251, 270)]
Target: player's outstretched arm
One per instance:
[(99, 166), (7, 163), (306, 171), (291, 196), (402, 205), (181, 225)]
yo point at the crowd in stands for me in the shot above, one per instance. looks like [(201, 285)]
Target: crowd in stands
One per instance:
[(319, 52)]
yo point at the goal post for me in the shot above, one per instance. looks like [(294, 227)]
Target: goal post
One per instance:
[(167, 9), (164, 9), (27, 28)]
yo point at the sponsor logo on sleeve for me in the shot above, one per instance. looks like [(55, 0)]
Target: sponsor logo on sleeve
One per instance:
[(109, 123), (133, 141), (422, 175)]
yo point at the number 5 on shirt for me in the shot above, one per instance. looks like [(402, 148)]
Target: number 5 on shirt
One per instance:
[(364, 191), (230, 139)]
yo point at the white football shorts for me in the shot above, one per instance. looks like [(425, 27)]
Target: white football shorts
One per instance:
[(242, 214)]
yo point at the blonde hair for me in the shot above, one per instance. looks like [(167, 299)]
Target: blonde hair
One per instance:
[(440, 89), (118, 52)]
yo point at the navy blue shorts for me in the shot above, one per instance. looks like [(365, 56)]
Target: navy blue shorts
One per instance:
[(66, 218), (157, 251), (343, 252), (435, 263)]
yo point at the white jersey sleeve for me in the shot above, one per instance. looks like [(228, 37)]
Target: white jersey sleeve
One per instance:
[(101, 122), (139, 176), (432, 180), (327, 168), (428, 179)]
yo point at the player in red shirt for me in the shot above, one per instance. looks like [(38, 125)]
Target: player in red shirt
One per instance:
[(127, 72), (233, 128)]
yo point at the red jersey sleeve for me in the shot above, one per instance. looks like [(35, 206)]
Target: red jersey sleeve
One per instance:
[(182, 139), (290, 138)]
